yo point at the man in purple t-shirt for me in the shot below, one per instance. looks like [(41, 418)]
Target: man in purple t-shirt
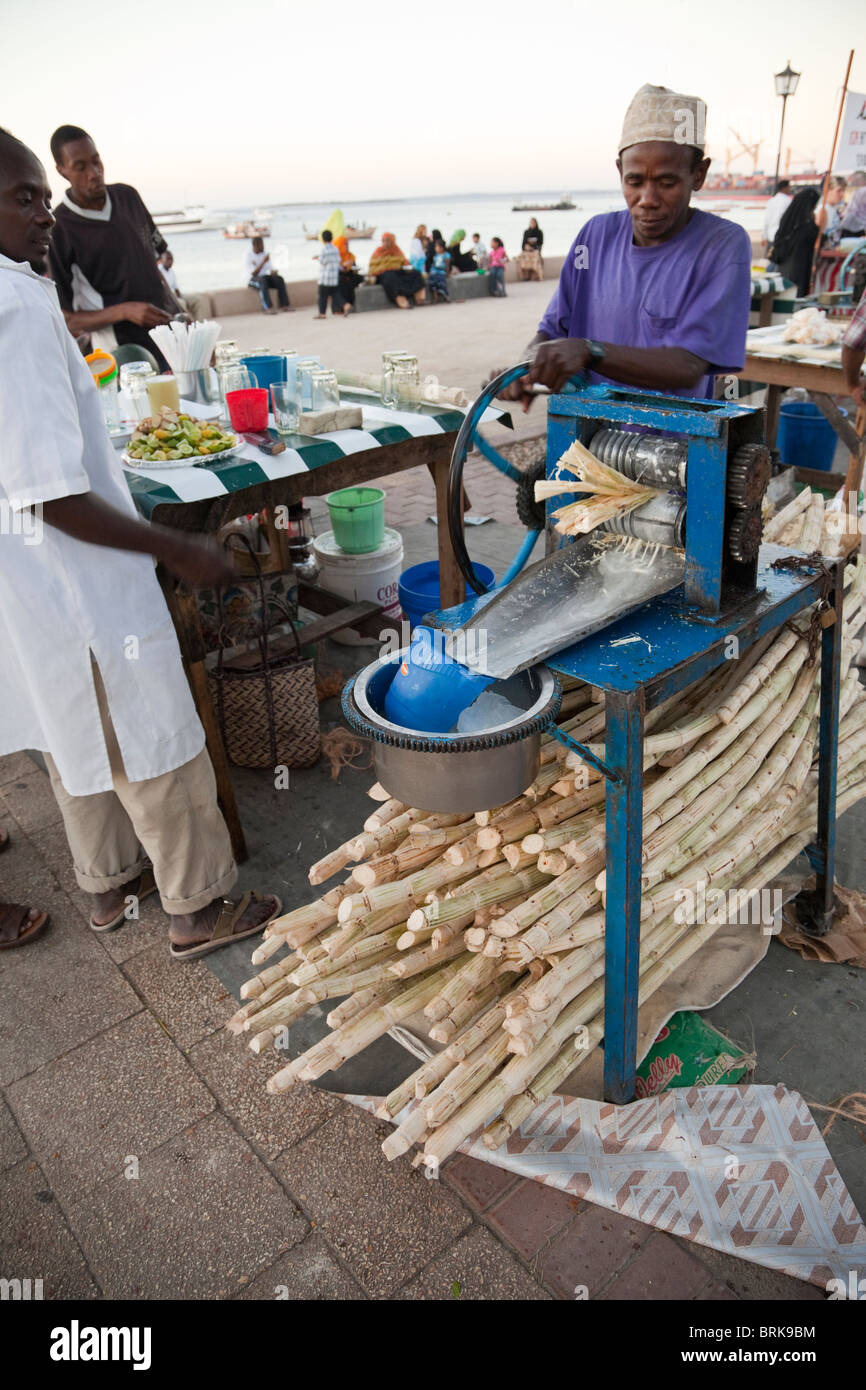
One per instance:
[(655, 296)]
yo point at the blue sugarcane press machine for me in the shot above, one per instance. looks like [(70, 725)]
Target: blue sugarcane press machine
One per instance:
[(690, 587)]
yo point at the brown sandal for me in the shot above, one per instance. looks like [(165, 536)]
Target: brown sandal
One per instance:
[(16, 915), (146, 886), (223, 933)]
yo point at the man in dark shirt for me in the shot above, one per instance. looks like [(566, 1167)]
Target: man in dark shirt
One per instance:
[(103, 257)]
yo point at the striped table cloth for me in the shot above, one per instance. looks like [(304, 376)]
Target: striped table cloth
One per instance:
[(381, 426)]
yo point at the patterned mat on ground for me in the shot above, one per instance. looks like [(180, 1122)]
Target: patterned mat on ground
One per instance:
[(742, 1169)]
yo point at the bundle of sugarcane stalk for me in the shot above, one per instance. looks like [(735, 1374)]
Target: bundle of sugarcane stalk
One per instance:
[(808, 523), (491, 927), (605, 493)]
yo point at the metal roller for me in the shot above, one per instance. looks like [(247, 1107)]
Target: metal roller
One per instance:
[(646, 458), (661, 462), (661, 521)]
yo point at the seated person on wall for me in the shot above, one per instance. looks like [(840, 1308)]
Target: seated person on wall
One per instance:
[(461, 261), (391, 269), (190, 302), (261, 276)]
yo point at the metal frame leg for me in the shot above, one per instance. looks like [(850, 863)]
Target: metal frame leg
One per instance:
[(624, 821), (816, 913)]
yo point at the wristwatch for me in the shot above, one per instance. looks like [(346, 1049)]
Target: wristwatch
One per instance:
[(596, 354)]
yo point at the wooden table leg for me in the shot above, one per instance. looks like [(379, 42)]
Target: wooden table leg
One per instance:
[(452, 585), (772, 406), (184, 611), (765, 312), (854, 478)]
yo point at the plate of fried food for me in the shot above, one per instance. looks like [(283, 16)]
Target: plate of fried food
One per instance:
[(173, 439)]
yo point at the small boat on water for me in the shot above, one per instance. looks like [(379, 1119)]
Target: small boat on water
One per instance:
[(360, 233), (564, 205), (239, 231), (191, 219)]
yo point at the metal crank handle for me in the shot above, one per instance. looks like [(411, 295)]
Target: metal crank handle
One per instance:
[(583, 752)]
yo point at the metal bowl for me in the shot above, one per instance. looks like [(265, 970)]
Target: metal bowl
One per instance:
[(453, 772)]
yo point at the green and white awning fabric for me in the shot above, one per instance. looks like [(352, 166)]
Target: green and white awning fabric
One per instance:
[(381, 426), (770, 284)]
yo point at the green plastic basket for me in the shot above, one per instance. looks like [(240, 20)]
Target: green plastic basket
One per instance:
[(358, 518)]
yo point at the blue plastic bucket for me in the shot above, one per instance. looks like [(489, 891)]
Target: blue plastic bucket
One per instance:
[(805, 438), (419, 588)]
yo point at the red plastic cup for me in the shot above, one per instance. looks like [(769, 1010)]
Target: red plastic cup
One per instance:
[(248, 409)]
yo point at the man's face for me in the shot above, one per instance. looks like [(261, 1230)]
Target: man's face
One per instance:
[(658, 180), (26, 219), (835, 196), (82, 168)]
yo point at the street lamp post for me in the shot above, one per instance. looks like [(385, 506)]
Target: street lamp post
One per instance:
[(786, 85)]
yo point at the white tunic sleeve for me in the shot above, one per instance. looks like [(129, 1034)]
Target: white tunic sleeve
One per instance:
[(41, 457)]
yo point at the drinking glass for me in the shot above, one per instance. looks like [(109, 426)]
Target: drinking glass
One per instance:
[(232, 376), (387, 391), (133, 383), (162, 390), (286, 407), (304, 368), (226, 350), (405, 379), (325, 390)]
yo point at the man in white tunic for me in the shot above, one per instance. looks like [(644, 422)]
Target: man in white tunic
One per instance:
[(91, 672)]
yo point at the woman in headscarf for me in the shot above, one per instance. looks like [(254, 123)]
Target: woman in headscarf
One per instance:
[(418, 248), (460, 260), (349, 275), (794, 243), (392, 270)]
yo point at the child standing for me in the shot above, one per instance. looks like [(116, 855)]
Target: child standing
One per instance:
[(479, 251), (438, 277), (496, 265), (329, 278)]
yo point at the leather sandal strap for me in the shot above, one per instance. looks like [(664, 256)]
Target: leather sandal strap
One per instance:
[(230, 914)]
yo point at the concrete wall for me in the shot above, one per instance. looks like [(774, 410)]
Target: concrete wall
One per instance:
[(220, 304)]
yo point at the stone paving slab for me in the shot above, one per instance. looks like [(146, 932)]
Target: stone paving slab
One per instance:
[(589, 1251), (385, 1220), (185, 996), (35, 1239), (121, 1094), (475, 1267), (14, 766), (12, 1144), (478, 1183), (530, 1215), (310, 1271), (238, 1078), (31, 801), (58, 990), (204, 1215), (660, 1270), (746, 1280)]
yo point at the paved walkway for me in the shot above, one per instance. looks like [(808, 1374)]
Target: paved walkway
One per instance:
[(141, 1156)]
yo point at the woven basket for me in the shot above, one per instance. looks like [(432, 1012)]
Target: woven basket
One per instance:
[(269, 713)]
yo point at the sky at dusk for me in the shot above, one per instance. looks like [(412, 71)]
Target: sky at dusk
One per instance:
[(262, 102)]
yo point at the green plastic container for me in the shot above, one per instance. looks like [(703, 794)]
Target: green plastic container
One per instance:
[(358, 518)]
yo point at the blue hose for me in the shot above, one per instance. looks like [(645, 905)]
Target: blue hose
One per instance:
[(520, 558)]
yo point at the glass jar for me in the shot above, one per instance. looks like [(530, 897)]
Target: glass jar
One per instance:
[(226, 350), (388, 359), (325, 390), (405, 383), (304, 368), (134, 377)]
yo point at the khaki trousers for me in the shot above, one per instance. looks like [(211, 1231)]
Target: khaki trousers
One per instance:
[(173, 820)]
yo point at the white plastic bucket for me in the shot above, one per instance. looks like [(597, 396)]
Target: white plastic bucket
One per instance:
[(374, 576)]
